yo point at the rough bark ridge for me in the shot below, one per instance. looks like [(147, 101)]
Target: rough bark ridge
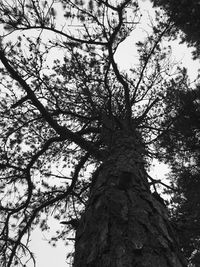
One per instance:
[(123, 225)]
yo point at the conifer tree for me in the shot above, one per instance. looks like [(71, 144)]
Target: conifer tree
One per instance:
[(179, 147), (185, 130), (185, 15), (65, 106)]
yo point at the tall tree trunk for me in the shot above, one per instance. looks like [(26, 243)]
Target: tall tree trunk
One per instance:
[(123, 224)]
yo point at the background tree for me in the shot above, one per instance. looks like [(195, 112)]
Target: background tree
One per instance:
[(183, 157), (185, 131), (186, 16), (60, 115)]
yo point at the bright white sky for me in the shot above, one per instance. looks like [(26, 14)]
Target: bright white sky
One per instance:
[(56, 256)]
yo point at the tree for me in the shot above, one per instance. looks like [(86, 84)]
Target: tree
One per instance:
[(82, 111), (185, 130), (181, 144), (186, 16)]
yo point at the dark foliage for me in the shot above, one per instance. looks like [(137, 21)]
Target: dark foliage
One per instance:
[(182, 152), (185, 132), (186, 16)]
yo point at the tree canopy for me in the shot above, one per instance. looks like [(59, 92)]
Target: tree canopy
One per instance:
[(182, 140), (63, 101), (185, 14), (180, 148)]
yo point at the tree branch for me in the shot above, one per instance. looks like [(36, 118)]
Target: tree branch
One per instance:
[(61, 130), (147, 61), (46, 204)]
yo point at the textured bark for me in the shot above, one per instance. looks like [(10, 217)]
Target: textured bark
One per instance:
[(123, 224)]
